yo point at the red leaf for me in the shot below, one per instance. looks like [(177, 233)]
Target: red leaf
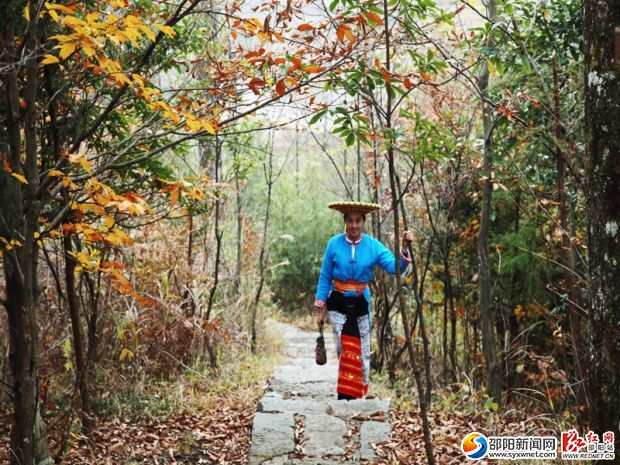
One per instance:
[(296, 63), (281, 87)]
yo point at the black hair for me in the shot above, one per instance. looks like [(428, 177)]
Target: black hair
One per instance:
[(363, 217)]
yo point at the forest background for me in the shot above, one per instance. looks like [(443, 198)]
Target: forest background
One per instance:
[(166, 173)]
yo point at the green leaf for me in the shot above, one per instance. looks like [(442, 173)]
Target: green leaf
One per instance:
[(317, 116)]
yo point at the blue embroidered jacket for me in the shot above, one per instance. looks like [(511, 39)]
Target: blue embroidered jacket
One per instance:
[(346, 261)]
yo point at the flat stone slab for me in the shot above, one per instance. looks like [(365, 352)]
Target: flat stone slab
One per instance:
[(372, 432), (275, 403), (325, 435), (304, 373), (323, 390), (359, 407), (273, 434)]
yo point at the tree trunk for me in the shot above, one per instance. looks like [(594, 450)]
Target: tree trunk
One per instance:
[(489, 342), (237, 281), (602, 107), (218, 249), (19, 210), (449, 296), (569, 280), (261, 259), (423, 402), (81, 370), (417, 288)]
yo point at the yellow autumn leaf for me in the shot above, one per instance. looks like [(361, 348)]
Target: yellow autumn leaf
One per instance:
[(166, 30), (92, 17), (112, 18), (88, 50), (27, 11), (53, 6), (73, 21), (121, 78), (67, 49), (133, 35), (50, 59), (138, 79), (19, 177), (147, 31), (209, 128), (120, 237)]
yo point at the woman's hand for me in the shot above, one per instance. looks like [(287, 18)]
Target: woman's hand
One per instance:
[(320, 317), (407, 239)]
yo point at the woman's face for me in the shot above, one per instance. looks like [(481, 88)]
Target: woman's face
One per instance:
[(355, 224)]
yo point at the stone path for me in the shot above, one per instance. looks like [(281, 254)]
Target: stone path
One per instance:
[(299, 420)]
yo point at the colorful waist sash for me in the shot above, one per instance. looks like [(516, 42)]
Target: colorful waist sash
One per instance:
[(343, 286)]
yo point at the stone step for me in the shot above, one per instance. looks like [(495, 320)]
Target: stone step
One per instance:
[(299, 421)]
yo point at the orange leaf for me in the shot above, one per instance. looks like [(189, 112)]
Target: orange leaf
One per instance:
[(340, 32), (255, 53), (174, 197), (313, 69), (281, 87), (375, 18), (117, 265), (305, 27), (349, 33), (386, 75)]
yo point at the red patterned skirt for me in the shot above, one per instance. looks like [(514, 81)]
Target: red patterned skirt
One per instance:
[(350, 321)]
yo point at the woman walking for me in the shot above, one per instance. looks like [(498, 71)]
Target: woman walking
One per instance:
[(348, 266)]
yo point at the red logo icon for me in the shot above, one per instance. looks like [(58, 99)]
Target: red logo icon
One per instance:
[(571, 441)]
